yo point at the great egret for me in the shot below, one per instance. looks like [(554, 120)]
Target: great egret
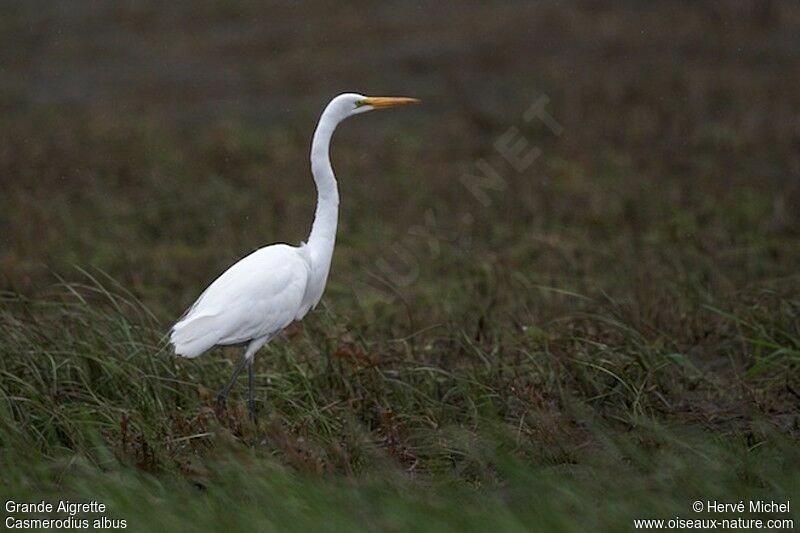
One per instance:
[(256, 298)]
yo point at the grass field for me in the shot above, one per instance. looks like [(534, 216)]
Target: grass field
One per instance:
[(601, 327)]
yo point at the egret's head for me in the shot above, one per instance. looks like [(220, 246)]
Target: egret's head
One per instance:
[(350, 104)]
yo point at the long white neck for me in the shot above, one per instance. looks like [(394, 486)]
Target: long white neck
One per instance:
[(323, 230)]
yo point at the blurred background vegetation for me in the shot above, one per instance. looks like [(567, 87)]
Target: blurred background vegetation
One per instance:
[(609, 335)]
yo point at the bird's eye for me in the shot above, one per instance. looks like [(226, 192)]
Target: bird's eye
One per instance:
[(360, 103)]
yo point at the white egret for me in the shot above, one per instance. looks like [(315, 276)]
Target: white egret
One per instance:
[(256, 298)]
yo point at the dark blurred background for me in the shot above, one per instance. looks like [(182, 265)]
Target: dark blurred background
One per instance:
[(159, 141)]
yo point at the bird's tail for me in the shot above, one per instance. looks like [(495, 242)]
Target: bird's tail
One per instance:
[(193, 335)]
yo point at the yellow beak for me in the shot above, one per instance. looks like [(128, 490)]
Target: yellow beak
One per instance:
[(381, 102)]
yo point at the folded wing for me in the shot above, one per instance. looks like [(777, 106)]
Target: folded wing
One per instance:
[(256, 297)]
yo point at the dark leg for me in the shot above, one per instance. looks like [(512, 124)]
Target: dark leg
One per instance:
[(251, 400), (223, 394)]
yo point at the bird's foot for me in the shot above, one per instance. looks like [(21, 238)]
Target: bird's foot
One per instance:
[(221, 402)]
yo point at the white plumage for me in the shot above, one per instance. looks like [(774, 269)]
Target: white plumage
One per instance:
[(263, 293), (254, 299)]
